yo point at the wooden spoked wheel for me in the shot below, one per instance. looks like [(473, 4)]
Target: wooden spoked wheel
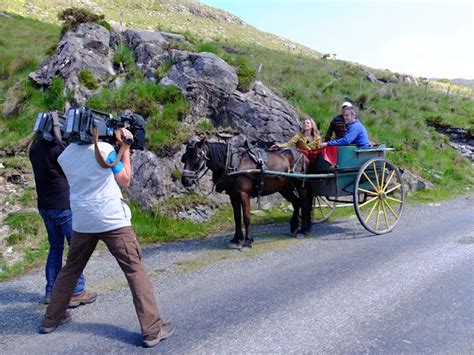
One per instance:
[(322, 209), (379, 195)]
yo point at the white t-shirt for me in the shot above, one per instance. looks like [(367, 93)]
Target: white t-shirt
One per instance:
[(96, 200)]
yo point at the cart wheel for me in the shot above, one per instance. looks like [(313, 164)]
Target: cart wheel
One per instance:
[(379, 195), (322, 209)]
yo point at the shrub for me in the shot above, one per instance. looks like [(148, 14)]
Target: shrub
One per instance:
[(246, 73), (163, 69), (87, 79), (50, 51), (105, 24), (55, 97), (209, 47), (205, 125), (176, 175), (74, 16), (125, 56)]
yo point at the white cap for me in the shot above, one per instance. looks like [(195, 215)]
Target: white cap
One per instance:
[(346, 104)]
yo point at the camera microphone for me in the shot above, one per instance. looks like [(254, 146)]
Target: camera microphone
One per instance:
[(128, 140)]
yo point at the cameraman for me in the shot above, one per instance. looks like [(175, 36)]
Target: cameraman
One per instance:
[(53, 206), (101, 214)]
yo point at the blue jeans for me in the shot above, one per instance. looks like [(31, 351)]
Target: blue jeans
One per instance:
[(58, 225)]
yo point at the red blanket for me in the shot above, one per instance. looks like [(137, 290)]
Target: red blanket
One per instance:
[(329, 154)]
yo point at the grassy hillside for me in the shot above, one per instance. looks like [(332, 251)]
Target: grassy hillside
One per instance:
[(23, 46), (395, 114), (183, 16)]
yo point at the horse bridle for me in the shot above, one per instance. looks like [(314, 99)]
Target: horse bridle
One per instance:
[(194, 174)]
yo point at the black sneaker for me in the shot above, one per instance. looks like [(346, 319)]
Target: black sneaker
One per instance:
[(167, 330), (46, 330)]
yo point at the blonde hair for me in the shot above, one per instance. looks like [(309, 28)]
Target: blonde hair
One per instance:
[(314, 129)]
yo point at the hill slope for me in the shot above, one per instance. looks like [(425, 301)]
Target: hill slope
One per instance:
[(181, 16)]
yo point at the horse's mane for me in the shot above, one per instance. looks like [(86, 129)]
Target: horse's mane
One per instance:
[(218, 154)]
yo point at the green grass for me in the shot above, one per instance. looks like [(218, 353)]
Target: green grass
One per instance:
[(164, 107), (23, 45), (87, 79), (152, 226), (29, 236)]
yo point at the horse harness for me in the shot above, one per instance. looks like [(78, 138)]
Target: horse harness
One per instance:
[(258, 155)]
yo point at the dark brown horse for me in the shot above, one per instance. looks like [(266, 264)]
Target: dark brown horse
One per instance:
[(242, 187)]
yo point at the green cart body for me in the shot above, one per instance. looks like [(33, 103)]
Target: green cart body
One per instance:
[(349, 161)]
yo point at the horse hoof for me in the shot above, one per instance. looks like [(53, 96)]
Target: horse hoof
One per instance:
[(300, 235), (233, 246), (245, 249)]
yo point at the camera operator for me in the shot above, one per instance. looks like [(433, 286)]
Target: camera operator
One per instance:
[(101, 214), (53, 205)]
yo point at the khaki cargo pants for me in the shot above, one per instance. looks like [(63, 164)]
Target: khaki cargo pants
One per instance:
[(123, 245)]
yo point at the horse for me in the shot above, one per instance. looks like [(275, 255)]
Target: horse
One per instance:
[(242, 185)]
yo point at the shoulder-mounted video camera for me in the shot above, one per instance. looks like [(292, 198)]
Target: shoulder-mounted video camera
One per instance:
[(45, 126), (79, 123)]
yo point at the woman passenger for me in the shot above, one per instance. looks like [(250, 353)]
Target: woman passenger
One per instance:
[(307, 140)]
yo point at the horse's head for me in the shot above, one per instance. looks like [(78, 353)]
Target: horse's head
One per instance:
[(194, 159)]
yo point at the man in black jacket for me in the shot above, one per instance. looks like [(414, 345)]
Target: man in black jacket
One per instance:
[(337, 125), (53, 205)]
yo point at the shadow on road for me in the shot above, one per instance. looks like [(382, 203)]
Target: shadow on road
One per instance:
[(11, 295)]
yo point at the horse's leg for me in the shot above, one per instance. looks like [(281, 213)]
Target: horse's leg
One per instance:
[(236, 207), (289, 194), (245, 198), (306, 194)]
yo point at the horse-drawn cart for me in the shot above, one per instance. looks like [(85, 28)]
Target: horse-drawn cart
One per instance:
[(362, 177)]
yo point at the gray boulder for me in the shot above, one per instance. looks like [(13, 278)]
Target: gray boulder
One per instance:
[(204, 78), (152, 178), (148, 47), (87, 48), (259, 115)]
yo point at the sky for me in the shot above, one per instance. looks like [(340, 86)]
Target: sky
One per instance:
[(433, 39)]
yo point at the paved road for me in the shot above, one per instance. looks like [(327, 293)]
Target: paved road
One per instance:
[(337, 291)]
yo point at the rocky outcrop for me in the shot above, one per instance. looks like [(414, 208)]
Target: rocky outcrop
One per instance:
[(149, 49), (460, 139), (259, 115), (205, 80), (87, 48), (211, 85), (152, 178)]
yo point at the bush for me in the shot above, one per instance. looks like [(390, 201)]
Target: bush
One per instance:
[(246, 73), (163, 69), (87, 79), (124, 55), (205, 125), (74, 16), (209, 47), (55, 97), (105, 24)]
